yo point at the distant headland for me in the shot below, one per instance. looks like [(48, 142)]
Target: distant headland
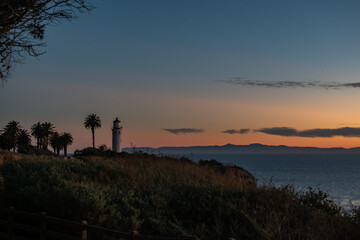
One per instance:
[(255, 148)]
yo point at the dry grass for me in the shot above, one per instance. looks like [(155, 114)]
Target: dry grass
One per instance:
[(167, 196)]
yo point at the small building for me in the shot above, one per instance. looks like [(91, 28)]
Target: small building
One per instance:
[(116, 135)]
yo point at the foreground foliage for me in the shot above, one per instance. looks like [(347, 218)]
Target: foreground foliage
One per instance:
[(166, 196)]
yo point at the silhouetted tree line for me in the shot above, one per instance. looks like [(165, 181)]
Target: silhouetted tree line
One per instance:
[(14, 137)]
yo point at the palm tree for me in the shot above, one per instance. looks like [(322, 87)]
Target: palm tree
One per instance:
[(55, 142), (11, 133), (24, 138), (66, 139), (3, 144), (36, 131), (46, 130), (92, 121)]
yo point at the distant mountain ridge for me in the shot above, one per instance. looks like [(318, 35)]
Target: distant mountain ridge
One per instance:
[(255, 148)]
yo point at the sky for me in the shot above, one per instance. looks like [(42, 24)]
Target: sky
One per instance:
[(183, 73)]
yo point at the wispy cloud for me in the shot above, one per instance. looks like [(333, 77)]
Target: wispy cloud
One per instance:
[(280, 131), (289, 84), (317, 132), (237, 131), (184, 130), (348, 124)]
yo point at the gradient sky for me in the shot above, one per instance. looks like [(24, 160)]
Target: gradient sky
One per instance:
[(155, 65)]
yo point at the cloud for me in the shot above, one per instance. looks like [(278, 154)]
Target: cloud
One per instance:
[(183, 130), (348, 124), (280, 131), (317, 132), (239, 81), (239, 131)]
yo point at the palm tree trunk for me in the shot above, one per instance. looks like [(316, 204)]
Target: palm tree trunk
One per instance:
[(93, 136), (46, 140), (58, 151), (65, 151)]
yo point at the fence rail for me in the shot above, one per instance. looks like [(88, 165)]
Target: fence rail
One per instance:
[(20, 225)]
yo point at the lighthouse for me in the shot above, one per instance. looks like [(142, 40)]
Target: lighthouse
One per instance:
[(116, 135)]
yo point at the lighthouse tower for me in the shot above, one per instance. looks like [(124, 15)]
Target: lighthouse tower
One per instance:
[(116, 135)]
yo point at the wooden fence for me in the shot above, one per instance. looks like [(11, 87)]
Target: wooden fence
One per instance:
[(20, 225)]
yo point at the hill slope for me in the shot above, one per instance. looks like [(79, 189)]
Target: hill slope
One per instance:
[(167, 197)]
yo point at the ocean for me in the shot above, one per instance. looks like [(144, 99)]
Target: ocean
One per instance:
[(336, 174)]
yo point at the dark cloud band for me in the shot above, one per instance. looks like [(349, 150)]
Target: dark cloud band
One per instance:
[(290, 84), (183, 130), (318, 132), (237, 131)]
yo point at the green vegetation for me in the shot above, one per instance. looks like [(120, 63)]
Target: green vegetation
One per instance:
[(167, 197)]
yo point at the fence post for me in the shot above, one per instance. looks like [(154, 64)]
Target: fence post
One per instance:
[(43, 225), (84, 230), (134, 234), (182, 237), (11, 222)]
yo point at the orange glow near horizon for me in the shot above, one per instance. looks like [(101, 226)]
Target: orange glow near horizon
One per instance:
[(144, 128), (162, 138), (150, 112)]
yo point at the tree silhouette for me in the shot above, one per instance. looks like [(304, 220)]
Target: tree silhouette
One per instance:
[(3, 143), (11, 133), (55, 143), (22, 27), (46, 130), (92, 121), (24, 138), (36, 131), (66, 139), (23, 141)]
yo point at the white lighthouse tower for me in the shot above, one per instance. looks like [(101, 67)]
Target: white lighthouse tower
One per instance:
[(116, 135)]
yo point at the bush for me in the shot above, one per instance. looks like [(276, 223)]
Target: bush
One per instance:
[(168, 197), (31, 150)]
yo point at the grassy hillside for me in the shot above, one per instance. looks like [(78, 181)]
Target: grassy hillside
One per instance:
[(167, 196)]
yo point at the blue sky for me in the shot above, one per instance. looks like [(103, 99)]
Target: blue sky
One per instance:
[(160, 43), (154, 64)]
